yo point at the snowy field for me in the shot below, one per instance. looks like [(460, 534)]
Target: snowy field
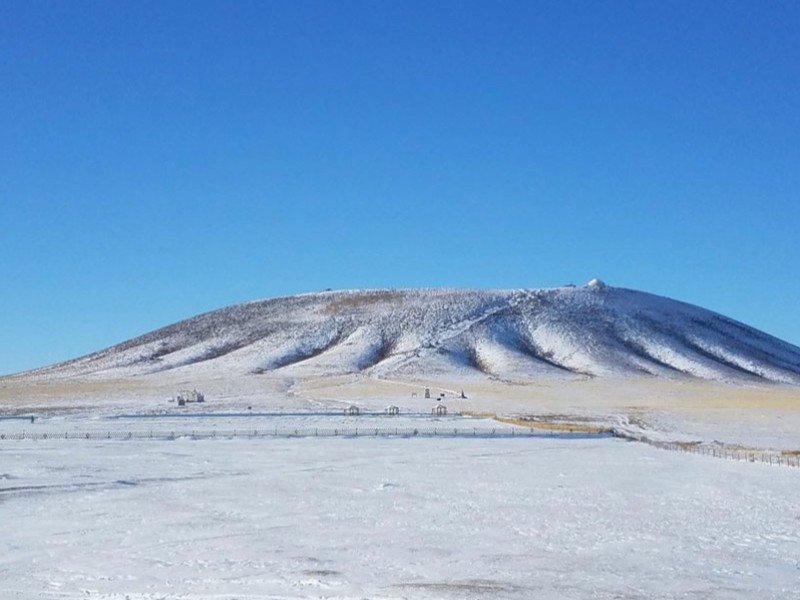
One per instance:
[(394, 517), (391, 518)]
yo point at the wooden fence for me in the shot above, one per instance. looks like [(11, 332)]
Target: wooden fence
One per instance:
[(716, 451), (278, 432), (770, 457)]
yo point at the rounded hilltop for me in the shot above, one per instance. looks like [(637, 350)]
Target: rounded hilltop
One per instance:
[(515, 334)]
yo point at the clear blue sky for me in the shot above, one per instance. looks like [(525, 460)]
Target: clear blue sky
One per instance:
[(160, 159)]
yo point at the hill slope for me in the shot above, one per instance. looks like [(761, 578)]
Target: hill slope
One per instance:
[(567, 332)]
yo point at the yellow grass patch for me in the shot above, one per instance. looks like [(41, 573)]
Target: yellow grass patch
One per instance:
[(362, 299), (549, 422)]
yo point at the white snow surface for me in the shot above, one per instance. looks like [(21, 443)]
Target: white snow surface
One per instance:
[(569, 332), (380, 518)]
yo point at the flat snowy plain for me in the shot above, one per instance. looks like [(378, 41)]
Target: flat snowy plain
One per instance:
[(346, 518), (391, 518)]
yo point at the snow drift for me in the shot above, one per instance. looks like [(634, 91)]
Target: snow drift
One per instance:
[(595, 330)]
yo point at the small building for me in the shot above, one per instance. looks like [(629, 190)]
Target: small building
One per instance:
[(393, 410), (439, 409), (184, 397), (352, 411), (596, 283), (427, 392)]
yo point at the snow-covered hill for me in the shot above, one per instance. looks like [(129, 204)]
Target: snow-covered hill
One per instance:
[(568, 332)]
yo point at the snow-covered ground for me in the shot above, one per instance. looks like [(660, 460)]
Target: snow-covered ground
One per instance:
[(392, 518)]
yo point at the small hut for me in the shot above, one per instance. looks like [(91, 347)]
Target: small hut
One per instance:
[(427, 392), (392, 410), (439, 410), (352, 411), (186, 396)]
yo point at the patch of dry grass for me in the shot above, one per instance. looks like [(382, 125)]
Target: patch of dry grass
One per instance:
[(339, 305), (549, 422), (65, 388)]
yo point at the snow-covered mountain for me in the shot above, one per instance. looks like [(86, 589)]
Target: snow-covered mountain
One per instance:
[(520, 334)]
